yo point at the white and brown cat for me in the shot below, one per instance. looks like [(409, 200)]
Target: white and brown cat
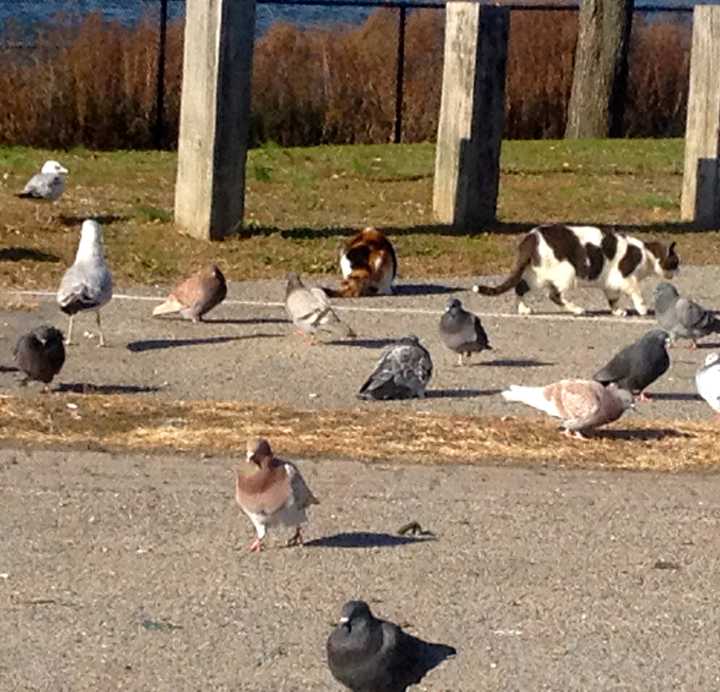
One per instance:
[(557, 258), (368, 264)]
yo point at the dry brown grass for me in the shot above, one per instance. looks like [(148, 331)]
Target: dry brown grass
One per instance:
[(121, 422), (94, 84)]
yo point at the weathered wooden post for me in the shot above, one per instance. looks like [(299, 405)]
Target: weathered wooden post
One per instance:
[(467, 161), (701, 181), (214, 116)]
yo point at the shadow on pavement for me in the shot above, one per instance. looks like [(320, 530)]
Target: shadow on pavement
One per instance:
[(425, 289), (365, 539), (676, 396), (86, 388), (647, 435), (8, 368), (257, 320), (459, 393), (156, 344), (363, 343), (513, 363), (18, 254)]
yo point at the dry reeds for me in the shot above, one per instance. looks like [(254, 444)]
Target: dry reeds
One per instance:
[(95, 83), (125, 422)]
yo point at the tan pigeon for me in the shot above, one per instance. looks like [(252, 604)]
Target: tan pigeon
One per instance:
[(310, 311), (580, 404), (196, 295), (274, 493)]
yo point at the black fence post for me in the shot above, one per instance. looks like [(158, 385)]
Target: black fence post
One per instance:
[(400, 75), (160, 94)]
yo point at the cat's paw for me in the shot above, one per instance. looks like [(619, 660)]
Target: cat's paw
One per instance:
[(524, 309), (641, 310), (619, 312), (575, 309)]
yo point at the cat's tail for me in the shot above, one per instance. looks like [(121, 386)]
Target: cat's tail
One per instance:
[(356, 285), (526, 251)]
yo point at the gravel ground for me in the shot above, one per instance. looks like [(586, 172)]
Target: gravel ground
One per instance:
[(129, 572), (247, 350)]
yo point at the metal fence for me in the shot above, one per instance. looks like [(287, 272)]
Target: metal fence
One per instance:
[(402, 7)]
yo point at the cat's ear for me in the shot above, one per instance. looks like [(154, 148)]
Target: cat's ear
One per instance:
[(671, 249)]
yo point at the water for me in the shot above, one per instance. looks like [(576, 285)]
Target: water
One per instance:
[(29, 14)]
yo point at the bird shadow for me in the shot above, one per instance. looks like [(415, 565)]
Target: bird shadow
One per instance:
[(8, 368), (20, 254), (676, 396), (715, 344), (365, 539), (104, 219), (425, 289), (158, 344), (512, 363), (258, 320), (459, 393), (86, 388), (363, 343), (644, 435)]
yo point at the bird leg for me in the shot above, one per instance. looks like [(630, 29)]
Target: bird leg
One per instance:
[(297, 538), (102, 338), (644, 397), (68, 341), (693, 345), (574, 434), (256, 546), (460, 359)]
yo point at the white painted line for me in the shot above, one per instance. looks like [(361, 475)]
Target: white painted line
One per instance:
[(553, 317)]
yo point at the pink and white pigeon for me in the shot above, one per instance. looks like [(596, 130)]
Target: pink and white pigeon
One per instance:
[(273, 493), (581, 404)]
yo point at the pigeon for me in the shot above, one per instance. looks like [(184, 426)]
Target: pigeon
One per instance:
[(403, 372), (681, 317), (274, 493), (310, 311), (461, 331), (87, 284), (707, 381), (581, 404), (366, 654), (40, 354), (196, 295), (637, 366), (47, 185)]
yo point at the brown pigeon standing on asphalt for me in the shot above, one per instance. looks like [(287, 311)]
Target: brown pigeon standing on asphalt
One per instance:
[(274, 493), (196, 295), (581, 404), (40, 354)]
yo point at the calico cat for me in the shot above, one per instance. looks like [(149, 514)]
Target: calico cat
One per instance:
[(368, 264), (557, 257)]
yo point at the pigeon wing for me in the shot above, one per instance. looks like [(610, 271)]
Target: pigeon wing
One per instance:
[(692, 316)]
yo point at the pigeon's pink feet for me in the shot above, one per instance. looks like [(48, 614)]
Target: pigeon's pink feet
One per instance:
[(256, 546), (297, 538), (644, 397), (693, 346), (574, 435)]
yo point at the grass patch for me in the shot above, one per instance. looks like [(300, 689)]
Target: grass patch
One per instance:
[(302, 202), (122, 422)]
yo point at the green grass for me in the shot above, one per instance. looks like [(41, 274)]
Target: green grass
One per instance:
[(302, 202)]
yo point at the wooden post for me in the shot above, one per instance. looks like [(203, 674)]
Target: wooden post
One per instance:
[(467, 160), (214, 116), (701, 189)]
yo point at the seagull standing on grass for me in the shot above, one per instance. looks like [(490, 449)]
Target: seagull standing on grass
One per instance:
[(48, 185), (87, 285)]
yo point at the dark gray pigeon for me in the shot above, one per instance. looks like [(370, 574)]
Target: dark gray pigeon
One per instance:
[(370, 655), (637, 366), (681, 317), (461, 331), (403, 372), (40, 354)]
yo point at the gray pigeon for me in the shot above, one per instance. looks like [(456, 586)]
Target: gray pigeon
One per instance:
[(366, 654), (196, 295), (47, 185), (707, 381), (681, 317), (581, 404), (40, 354), (461, 331), (310, 311), (87, 284), (403, 372), (637, 366)]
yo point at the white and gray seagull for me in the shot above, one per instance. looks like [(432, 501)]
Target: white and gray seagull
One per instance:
[(87, 284), (47, 185)]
